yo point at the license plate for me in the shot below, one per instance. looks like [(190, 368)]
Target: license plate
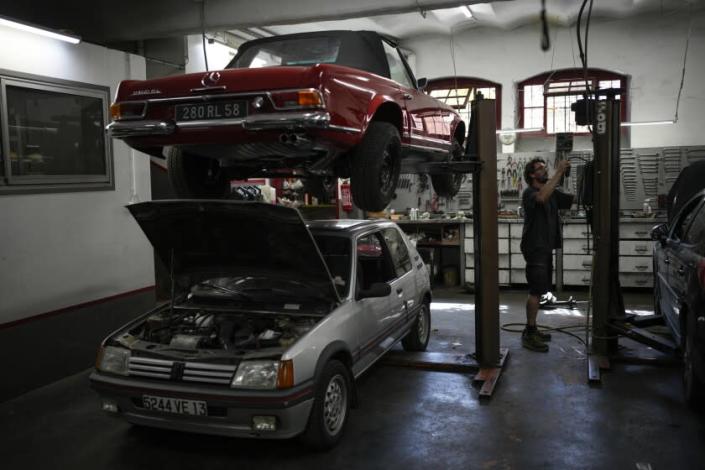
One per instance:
[(208, 111), (175, 405)]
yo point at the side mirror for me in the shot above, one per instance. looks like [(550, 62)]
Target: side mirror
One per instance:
[(378, 289), (659, 233), (421, 83)]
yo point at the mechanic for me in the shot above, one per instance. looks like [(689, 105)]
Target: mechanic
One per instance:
[(541, 234)]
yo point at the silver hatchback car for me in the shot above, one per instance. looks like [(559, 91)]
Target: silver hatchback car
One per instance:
[(269, 323)]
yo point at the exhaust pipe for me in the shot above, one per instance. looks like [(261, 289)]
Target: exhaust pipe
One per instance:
[(293, 139)]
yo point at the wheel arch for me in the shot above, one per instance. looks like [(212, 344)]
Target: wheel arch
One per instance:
[(388, 111), (339, 351)]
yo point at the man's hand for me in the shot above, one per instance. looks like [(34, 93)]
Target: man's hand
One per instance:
[(563, 166)]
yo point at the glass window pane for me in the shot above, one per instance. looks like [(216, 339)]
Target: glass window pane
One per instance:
[(55, 133), (397, 71)]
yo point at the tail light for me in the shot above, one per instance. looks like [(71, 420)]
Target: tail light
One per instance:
[(295, 99), (128, 110)]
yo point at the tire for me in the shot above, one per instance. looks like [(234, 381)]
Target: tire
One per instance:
[(195, 177), (693, 387), (331, 407), (376, 163), (417, 338), (448, 185)]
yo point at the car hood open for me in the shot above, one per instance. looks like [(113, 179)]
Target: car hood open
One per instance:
[(202, 238)]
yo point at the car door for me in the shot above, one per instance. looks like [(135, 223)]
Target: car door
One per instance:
[(677, 253), (372, 265), (404, 290), (423, 111)]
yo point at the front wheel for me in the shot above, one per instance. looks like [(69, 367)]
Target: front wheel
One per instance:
[(448, 185), (417, 338), (194, 177), (376, 163), (331, 405)]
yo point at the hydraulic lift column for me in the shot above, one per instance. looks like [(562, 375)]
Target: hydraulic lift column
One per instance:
[(484, 186)]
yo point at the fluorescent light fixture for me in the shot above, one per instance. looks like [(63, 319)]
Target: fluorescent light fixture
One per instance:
[(647, 123), (39, 30), (466, 11), (517, 131)]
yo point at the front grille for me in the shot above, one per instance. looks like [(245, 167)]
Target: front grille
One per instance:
[(181, 371)]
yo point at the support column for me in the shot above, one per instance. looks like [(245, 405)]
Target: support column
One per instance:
[(484, 185)]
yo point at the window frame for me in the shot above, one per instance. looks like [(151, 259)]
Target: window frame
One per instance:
[(454, 83), (568, 75), (33, 184), (405, 261)]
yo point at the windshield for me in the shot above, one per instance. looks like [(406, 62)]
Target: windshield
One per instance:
[(336, 254), (301, 51)]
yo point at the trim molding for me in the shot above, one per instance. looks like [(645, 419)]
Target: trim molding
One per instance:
[(52, 313)]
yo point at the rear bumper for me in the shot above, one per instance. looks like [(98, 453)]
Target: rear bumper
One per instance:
[(269, 121), (230, 411)]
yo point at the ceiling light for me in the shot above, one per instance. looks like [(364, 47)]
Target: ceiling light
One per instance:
[(39, 30), (517, 131), (647, 123), (466, 11)]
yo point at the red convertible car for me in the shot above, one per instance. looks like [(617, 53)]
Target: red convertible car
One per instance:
[(315, 105)]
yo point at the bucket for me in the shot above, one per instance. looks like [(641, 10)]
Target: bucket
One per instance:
[(450, 276)]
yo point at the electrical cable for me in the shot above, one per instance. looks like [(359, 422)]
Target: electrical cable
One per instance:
[(545, 40), (505, 327), (685, 58), (203, 32)]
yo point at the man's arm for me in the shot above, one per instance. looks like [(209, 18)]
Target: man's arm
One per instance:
[(545, 192)]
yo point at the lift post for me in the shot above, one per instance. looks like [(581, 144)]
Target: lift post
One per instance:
[(480, 161)]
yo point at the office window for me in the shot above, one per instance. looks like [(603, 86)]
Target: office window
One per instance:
[(461, 91), (53, 136), (545, 100)]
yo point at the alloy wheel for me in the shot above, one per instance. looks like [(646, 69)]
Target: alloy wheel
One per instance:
[(335, 404)]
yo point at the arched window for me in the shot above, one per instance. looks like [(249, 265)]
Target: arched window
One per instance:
[(545, 99), (459, 92)]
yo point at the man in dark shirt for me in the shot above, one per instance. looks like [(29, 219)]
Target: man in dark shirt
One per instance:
[(541, 234)]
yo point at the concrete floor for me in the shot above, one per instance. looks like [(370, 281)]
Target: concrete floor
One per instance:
[(543, 415)]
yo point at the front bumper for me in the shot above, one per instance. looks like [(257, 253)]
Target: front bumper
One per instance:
[(230, 411), (269, 121)]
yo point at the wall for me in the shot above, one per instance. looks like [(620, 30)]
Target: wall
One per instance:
[(649, 49), (63, 249)]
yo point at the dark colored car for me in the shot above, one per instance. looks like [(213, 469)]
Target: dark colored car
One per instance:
[(315, 105), (679, 270), (269, 324)]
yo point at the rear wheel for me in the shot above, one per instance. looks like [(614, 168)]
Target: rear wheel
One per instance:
[(195, 177), (376, 163), (448, 185), (417, 338), (331, 406), (693, 387)]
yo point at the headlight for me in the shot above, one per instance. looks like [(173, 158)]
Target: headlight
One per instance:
[(113, 360), (256, 374)]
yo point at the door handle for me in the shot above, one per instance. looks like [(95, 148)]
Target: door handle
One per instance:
[(408, 96), (667, 261), (681, 270), (400, 291)]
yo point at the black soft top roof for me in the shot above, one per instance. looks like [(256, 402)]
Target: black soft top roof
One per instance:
[(358, 49), (690, 181)]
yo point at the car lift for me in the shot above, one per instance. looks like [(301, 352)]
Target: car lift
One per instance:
[(481, 162), (609, 317)]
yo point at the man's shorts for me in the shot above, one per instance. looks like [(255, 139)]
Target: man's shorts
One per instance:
[(539, 271)]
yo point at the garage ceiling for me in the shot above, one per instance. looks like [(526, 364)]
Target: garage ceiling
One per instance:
[(104, 22)]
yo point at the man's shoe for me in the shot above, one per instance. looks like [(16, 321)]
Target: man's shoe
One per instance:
[(530, 340), (545, 337)]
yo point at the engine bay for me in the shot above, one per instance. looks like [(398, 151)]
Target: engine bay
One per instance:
[(202, 330)]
